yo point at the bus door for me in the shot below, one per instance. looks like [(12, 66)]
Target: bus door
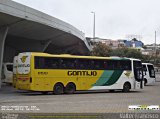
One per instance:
[(138, 73)]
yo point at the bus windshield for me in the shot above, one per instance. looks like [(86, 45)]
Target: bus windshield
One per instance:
[(138, 70), (151, 71), (144, 67)]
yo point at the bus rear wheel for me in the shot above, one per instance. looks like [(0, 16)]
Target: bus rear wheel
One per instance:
[(70, 88), (58, 89), (126, 87)]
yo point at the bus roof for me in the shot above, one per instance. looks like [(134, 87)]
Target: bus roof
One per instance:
[(73, 56), (147, 63)]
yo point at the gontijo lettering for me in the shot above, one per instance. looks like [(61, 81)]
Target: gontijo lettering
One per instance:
[(82, 73), (23, 65)]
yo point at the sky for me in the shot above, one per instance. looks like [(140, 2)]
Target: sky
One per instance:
[(114, 19)]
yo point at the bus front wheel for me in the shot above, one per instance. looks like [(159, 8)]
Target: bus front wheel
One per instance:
[(70, 88), (126, 87), (58, 89)]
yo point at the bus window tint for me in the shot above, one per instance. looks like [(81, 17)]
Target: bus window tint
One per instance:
[(54, 63), (151, 71), (137, 64), (46, 63), (81, 64), (39, 62), (117, 65), (99, 64), (125, 64), (144, 67), (67, 63), (85, 64)]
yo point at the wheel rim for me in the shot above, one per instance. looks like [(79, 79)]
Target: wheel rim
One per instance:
[(70, 88), (126, 87), (58, 89)]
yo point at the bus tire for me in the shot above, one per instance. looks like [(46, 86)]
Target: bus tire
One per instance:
[(145, 82), (126, 87), (70, 88), (58, 89)]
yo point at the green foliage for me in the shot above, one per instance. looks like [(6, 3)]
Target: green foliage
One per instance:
[(119, 52), (100, 49), (126, 52)]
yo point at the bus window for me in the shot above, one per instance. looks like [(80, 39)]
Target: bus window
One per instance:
[(84, 64), (67, 63), (39, 62), (117, 65), (144, 67), (137, 65), (98, 64), (110, 64), (51, 63), (151, 71), (126, 65)]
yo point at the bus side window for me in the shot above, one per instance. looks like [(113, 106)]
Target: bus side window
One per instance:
[(54, 63), (91, 64), (48, 63), (68, 63), (39, 62), (118, 65), (110, 65), (83, 64), (105, 64), (62, 64), (126, 65), (99, 64)]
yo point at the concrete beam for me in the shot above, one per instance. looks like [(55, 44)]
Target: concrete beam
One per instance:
[(3, 34)]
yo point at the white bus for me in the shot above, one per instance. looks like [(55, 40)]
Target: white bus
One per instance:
[(15, 70), (7, 73), (149, 74)]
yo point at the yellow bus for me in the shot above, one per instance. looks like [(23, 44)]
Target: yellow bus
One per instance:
[(69, 73)]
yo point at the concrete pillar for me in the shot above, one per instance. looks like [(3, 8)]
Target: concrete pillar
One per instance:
[(3, 34)]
